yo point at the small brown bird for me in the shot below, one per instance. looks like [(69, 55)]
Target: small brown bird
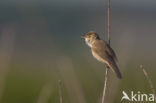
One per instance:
[(102, 51)]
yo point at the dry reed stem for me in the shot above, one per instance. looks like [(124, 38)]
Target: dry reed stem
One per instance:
[(105, 85), (106, 73), (60, 91), (108, 22), (149, 81)]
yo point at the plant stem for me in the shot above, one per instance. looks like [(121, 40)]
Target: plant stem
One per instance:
[(105, 85), (60, 91), (106, 73), (149, 81)]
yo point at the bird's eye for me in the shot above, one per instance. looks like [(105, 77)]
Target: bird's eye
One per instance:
[(88, 36)]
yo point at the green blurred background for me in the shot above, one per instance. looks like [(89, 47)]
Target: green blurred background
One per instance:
[(40, 44)]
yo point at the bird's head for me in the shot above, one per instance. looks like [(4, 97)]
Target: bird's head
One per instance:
[(90, 37)]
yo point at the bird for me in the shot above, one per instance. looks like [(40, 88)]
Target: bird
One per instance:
[(102, 51)]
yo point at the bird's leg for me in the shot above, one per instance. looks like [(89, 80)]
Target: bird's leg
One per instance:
[(107, 66)]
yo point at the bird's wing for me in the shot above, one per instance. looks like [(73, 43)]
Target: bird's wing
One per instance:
[(101, 45), (110, 52), (99, 48), (103, 52)]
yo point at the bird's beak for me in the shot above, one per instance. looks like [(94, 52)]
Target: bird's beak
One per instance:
[(83, 36)]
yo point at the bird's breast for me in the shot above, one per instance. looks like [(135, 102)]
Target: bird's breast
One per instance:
[(99, 58), (88, 43)]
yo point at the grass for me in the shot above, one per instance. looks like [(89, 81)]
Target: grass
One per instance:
[(23, 85)]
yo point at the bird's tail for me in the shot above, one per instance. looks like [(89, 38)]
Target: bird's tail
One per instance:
[(115, 68)]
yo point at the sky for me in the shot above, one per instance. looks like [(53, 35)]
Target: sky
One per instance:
[(143, 3)]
